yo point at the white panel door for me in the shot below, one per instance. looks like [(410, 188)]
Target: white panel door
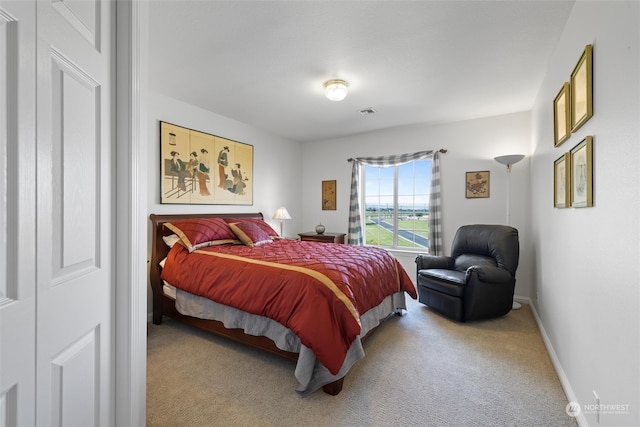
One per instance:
[(17, 213), (75, 222)]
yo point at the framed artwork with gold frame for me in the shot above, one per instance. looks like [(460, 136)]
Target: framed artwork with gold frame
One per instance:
[(582, 89), (329, 195), (200, 168), (477, 185), (561, 116), (562, 181), (582, 174)]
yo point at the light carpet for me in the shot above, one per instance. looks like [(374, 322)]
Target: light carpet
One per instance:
[(420, 369)]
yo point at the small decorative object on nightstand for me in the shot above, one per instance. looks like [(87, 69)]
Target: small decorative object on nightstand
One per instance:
[(320, 228), (322, 238)]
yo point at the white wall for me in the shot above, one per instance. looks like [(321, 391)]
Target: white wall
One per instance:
[(276, 164), (586, 261), (471, 146)]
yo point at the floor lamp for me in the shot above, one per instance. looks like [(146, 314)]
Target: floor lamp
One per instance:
[(508, 161)]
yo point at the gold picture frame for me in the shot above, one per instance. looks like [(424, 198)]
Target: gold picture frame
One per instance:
[(477, 184), (200, 168), (581, 84), (561, 116), (329, 195), (562, 181), (582, 174)]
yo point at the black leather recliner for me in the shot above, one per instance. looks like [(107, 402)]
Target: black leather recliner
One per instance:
[(477, 281)]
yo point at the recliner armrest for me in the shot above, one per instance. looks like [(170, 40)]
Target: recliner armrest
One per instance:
[(489, 274), (425, 261)]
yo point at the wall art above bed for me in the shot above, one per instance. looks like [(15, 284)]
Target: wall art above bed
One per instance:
[(200, 168)]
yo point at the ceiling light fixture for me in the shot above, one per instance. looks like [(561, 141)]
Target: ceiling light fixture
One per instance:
[(336, 90)]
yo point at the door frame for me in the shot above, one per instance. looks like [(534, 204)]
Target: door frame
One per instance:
[(131, 213)]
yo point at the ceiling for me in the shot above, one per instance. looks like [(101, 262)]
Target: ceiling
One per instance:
[(264, 62)]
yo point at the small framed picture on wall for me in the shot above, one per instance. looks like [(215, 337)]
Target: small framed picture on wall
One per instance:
[(561, 116), (562, 181), (582, 174), (477, 184), (582, 89), (329, 195)]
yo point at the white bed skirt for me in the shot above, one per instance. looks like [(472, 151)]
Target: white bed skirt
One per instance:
[(309, 372)]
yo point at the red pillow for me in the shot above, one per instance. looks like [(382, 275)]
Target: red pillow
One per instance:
[(197, 233), (260, 223), (250, 233)]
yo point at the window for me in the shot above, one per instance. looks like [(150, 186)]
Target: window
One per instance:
[(396, 205)]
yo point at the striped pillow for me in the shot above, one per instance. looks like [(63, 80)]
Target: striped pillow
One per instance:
[(250, 233), (198, 233)]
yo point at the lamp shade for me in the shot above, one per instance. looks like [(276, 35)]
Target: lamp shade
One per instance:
[(281, 213), (508, 160), (336, 90)]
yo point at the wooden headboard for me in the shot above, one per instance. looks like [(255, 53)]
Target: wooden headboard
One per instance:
[(159, 250)]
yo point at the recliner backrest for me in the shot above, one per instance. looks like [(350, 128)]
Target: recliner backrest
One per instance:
[(499, 242)]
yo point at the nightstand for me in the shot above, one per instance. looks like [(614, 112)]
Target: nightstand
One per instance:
[(322, 238)]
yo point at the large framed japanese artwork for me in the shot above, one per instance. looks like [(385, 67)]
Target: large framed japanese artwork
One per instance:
[(200, 168)]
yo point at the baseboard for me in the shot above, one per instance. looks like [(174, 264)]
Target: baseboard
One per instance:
[(564, 381), (522, 300)]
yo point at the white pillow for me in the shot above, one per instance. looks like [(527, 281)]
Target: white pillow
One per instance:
[(171, 239)]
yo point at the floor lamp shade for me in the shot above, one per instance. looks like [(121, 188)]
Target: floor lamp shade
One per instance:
[(508, 160)]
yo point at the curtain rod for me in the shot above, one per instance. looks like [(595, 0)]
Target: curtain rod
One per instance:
[(442, 150)]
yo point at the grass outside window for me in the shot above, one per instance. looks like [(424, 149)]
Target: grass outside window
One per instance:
[(380, 236)]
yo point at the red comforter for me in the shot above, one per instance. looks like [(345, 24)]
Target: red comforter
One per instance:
[(317, 290)]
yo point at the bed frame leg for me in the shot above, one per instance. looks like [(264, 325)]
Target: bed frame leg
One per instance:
[(333, 388), (157, 318)]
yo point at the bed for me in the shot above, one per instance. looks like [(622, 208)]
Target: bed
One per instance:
[(312, 303)]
